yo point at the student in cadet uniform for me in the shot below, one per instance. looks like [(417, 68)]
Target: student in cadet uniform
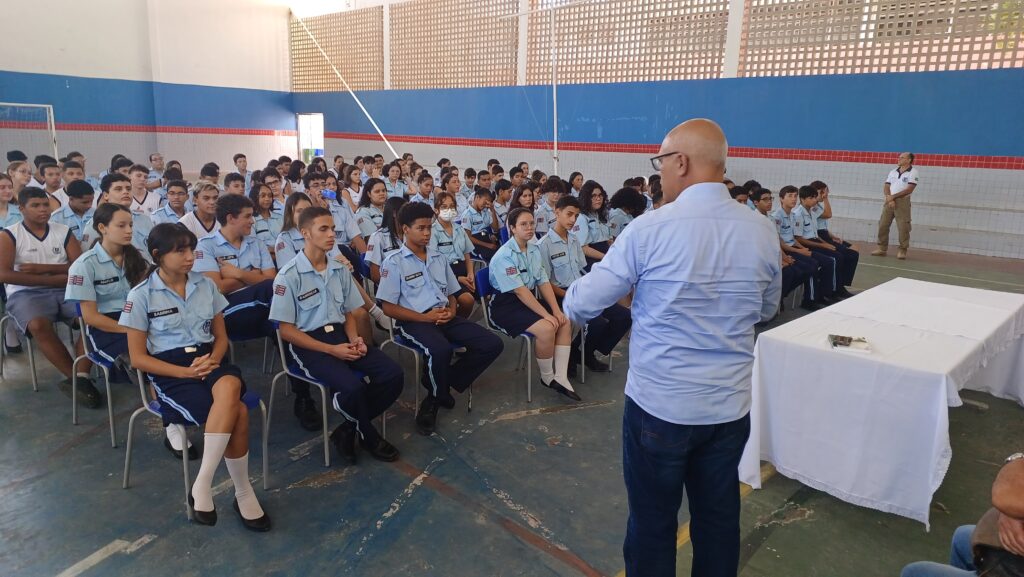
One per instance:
[(539, 177), (172, 173), (451, 240), (314, 298), (77, 210), (465, 194), (626, 204), (502, 197), (296, 170), (497, 173), (371, 206), (351, 187), (269, 222), (425, 189), (386, 239), (575, 184), (418, 290), (479, 219), (592, 225), (794, 272), (820, 287), (550, 193), (742, 196), (273, 180), (806, 231), (751, 186), (20, 174), (441, 165), (242, 166), (155, 172), (484, 179), (234, 183), (50, 174), (176, 335), (143, 201), (394, 184), (203, 220), (564, 262), (515, 271), (35, 256), (9, 212), (524, 197), (823, 212), (174, 210), (346, 228), (516, 176), (241, 267), (116, 189), (70, 171)]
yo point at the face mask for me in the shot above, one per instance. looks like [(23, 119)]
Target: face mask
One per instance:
[(448, 214)]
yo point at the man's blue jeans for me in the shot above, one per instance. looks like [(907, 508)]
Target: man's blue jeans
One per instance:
[(961, 559), (659, 460)]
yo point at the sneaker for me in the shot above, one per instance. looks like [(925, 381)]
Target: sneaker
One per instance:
[(14, 349), (879, 252), (426, 416), (307, 414), (87, 396), (901, 254)]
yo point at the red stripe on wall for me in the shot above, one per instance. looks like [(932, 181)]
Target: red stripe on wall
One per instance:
[(944, 160)]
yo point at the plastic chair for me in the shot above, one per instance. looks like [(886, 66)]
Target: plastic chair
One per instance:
[(486, 291), (98, 359), (290, 369), (403, 343), (503, 234), (251, 400)]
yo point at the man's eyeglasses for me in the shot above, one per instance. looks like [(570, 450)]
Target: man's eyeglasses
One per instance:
[(657, 161)]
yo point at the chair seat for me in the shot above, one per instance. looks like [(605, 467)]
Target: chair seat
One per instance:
[(100, 360)]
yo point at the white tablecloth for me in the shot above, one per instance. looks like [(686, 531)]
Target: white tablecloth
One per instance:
[(873, 429)]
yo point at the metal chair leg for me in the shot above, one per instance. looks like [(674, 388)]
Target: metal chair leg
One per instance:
[(110, 406), (128, 446), (266, 444), (583, 359), (74, 390), (184, 467), (529, 371), (32, 363), (327, 444)]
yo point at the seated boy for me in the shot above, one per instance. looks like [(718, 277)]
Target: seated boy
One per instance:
[(174, 209), (313, 300), (479, 220), (806, 231), (419, 291), (465, 194), (564, 261), (117, 189), (234, 183), (77, 210), (821, 286), (502, 198), (34, 260), (144, 200), (822, 212), (202, 221), (794, 272)]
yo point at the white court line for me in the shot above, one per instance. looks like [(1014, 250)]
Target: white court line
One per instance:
[(981, 280), (114, 547)]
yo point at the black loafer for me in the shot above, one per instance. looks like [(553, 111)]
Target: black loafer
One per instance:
[(208, 518), (382, 450), (193, 453), (811, 306), (426, 416), (261, 525), (14, 349), (344, 440), (558, 388), (306, 412), (596, 366)]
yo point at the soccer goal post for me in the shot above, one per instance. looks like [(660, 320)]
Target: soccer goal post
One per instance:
[(29, 128)]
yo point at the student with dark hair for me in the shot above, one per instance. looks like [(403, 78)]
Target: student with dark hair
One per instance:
[(418, 290), (339, 166), (122, 166), (177, 195), (425, 188), (203, 220), (70, 171), (143, 200), (823, 212), (350, 187), (348, 237), (241, 163), (525, 167), (234, 183), (550, 193), (272, 179), (451, 240), (394, 183), (515, 176), (386, 239), (625, 205), (480, 220), (117, 189), (564, 262), (502, 198), (576, 184), (296, 170), (806, 231), (314, 298), (516, 271), (794, 272), (484, 179), (592, 228), (16, 155), (240, 265), (268, 221), (492, 163), (821, 286), (49, 172), (77, 210), (39, 161), (210, 172), (741, 195), (539, 177), (465, 194), (371, 206), (176, 335), (524, 197), (497, 174)]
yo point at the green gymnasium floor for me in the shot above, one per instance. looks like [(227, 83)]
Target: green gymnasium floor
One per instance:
[(509, 489)]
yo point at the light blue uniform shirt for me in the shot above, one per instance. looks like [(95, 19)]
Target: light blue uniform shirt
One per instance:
[(463, 199), (511, 268), (64, 215), (544, 217), (169, 321), (816, 212), (380, 245), (368, 218), (346, 225), (310, 299), (784, 225), (141, 227), (750, 204), (617, 221), (290, 243), (563, 260), (475, 221), (804, 223), (94, 183), (363, 177), (589, 229), (419, 198), (267, 229), (13, 216), (453, 246), (166, 214), (419, 286), (215, 250), (96, 277), (396, 190), (704, 270)]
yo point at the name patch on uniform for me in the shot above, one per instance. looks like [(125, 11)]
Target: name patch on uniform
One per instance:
[(413, 276), (76, 280), (104, 281), (444, 243), (226, 257), (163, 313), (279, 290), (559, 255), (308, 294)]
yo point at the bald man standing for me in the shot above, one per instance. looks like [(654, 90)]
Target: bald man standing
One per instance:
[(704, 269)]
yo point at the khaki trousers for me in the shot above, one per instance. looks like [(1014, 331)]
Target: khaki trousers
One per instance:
[(901, 214)]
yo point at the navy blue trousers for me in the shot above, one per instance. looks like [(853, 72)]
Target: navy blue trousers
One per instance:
[(436, 343), (248, 310)]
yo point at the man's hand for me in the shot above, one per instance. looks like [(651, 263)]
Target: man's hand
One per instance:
[(787, 260), (360, 346), (438, 315), (1011, 534), (230, 271), (804, 251), (345, 352), (468, 283)]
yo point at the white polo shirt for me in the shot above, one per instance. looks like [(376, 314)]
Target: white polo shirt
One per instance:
[(900, 181)]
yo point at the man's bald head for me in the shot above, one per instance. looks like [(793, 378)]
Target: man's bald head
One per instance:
[(697, 150)]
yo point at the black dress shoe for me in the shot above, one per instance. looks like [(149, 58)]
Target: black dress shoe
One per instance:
[(208, 518), (557, 387), (810, 306), (843, 293), (597, 366), (426, 416), (261, 525), (381, 450), (14, 349), (344, 440), (307, 414), (193, 453)]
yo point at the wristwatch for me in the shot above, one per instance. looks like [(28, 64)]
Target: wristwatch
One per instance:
[(1014, 457)]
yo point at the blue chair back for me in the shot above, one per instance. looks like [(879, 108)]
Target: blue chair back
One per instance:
[(364, 267), (483, 282), (503, 234)]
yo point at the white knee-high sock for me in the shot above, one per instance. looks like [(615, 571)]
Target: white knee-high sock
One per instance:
[(378, 315), (214, 445), (246, 497), (547, 373), (562, 365), (174, 436)]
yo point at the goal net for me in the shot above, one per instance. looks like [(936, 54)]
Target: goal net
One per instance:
[(29, 128)]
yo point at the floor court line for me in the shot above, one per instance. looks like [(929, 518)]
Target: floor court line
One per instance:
[(942, 274)]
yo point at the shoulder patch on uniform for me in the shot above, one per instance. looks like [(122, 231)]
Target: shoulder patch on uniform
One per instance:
[(280, 289), (199, 254), (76, 280), (511, 271), (127, 307), (383, 273), (369, 247)]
